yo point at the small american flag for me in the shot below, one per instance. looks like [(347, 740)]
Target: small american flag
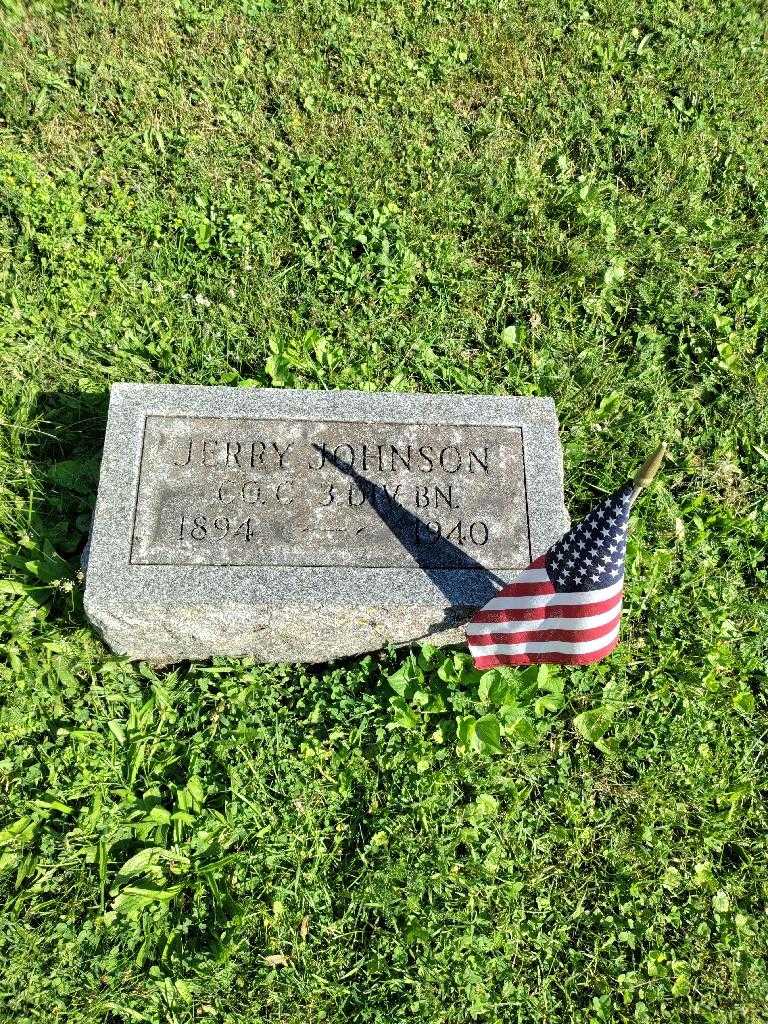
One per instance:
[(566, 606)]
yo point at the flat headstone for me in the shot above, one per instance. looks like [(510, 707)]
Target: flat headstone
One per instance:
[(309, 525)]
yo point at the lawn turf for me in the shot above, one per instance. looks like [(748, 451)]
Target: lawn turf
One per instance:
[(534, 198)]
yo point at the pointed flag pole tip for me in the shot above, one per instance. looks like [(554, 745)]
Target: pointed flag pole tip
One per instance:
[(648, 470)]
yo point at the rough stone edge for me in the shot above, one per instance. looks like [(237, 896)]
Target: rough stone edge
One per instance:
[(256, 632)]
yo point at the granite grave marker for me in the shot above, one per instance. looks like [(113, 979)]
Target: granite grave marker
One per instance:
[(304, 526)]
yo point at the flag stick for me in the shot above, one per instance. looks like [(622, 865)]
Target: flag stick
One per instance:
[(648, 471)]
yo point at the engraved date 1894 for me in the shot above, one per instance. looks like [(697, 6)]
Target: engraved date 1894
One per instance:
[(207, 528)]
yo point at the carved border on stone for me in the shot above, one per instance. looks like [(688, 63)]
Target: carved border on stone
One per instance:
[(309, 565)]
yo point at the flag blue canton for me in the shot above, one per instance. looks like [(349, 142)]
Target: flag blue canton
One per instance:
[(590, 556)]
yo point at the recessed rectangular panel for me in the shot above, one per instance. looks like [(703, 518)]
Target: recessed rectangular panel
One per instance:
[(289, 492)]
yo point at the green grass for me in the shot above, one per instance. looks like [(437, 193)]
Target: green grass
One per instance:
[(558, 199)]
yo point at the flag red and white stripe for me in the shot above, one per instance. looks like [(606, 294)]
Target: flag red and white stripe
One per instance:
[(566, 606), (529, 622)]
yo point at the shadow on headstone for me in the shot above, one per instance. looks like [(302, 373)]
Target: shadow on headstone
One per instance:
[(432, 553)]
